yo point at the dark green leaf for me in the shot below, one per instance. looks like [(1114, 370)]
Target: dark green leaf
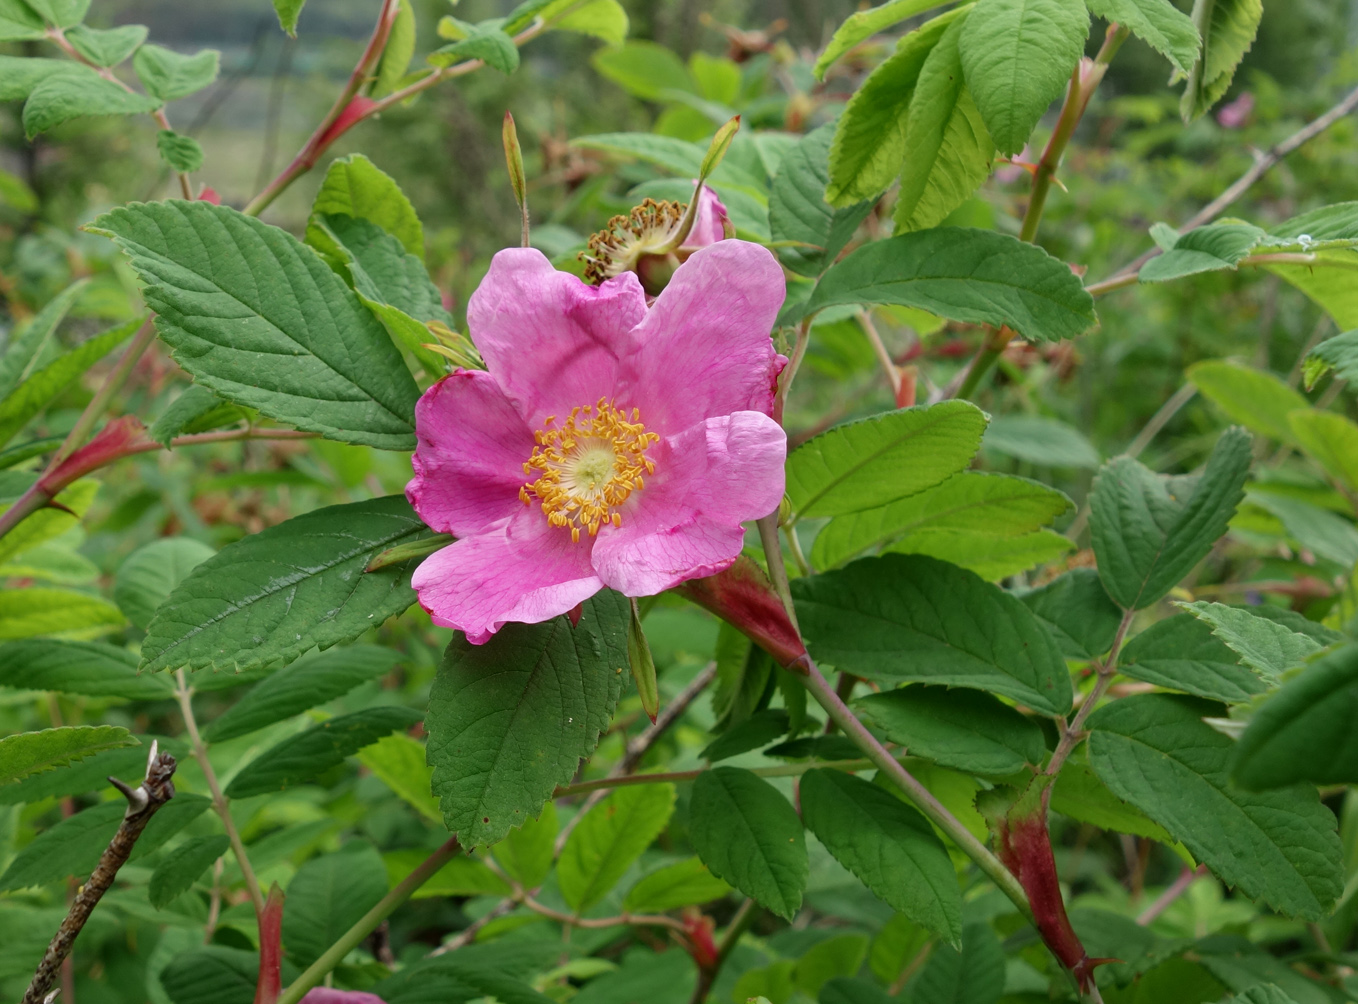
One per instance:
[(448, 979), (975, 276), (1227, 28), (609, 839), (32, 752), (1211, 248), (974, 975), (170, 75), (382, 269), (233, 294), (831, 747), (1077, 612), (760, 729), (1264, 645), (181, 868), (212, 975), (107, 47), (181, 152), (1182, 653), (307, 683), (195, 410), (684, 883), (309, 754), (89, 668), (888, 845), (1279, 847), (748, 834), (486, 42), (277, 593), (843, 990), (150, 573), (1158, 23), (327, 896), (78, 92), (89, 775), (909, 617), (355, 186), (966, 729), (1149, 531), (511, 719), (798, 211)]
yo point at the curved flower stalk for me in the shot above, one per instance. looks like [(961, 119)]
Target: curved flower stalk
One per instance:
[(609, 443)]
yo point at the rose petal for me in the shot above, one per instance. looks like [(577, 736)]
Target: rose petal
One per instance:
[(709, 225), (325, 995), (704, 349), (521, 569), (469, 461), (685, 523), (551, 341)]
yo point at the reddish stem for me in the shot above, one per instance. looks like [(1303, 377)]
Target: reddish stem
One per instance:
[(744, 597), (270, 983)]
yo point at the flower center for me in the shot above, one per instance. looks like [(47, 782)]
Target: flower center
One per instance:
[(648, 229), (587, 467)]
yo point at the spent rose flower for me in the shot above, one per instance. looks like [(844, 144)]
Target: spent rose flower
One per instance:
[(608, 443), (644, 240)]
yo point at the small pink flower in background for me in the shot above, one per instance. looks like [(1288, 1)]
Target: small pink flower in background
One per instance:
[(324, 995), (610, 443), (1236, 113)]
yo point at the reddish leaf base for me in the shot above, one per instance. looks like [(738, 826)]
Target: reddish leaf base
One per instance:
[(698, 928), (744, 597), (270, 948), (115, 440)]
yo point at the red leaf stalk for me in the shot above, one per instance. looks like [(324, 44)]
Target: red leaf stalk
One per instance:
[(270, 983), (744, 597)]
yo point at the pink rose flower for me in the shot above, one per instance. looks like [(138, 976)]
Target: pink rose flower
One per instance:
[(608, 444), (324, 995), (644, 240)]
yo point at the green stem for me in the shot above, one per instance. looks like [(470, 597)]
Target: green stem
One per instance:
[(113, 383), (768, 536), (980, 366), (1074, 732), (353, 937)]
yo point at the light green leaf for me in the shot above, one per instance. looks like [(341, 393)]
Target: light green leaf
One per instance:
[(459, 876), (1227, 28), (1266, 646), (976, 276), (305, 756), (1210, 248), (644, 69), (909, 617), (749, 836), (171, 75), (19, 23), (798, 211), (612, 835), (1330, 281), (57, 562), (486, 42), (1077, 613), (20, 75), (275, 594), (327, 896), (527, 852), (510, 720), (865, 464), (602, 19), (862, 25), (684, 883), (1158, 23), (1017, 56), (1324, 533), (307, 683), (1330, 438), (355, 186), (1149, 531), (149, 574), (1043, 441), (51, 523), (1080, 795), (88, 668), (233, 294), (674, 155), (179, 151), (991, 556), (398, 53), (26, 340), (1257, 400), (288, 11), (972, 975), (1183, 653), (949, 150), (107, 47), (1278, 847), (971, 502), (1305, 731), (965, 729), (1339, 353), (60, 613), (39, 390), (398, 761), (31, 752), (869, 144), (62, 13), (182, 867)]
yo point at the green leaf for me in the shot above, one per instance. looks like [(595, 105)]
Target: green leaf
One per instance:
[(611, 836), (179, 151), (511, 719), (843, 990), (1158, 23), (992, 557), (305, 756), (1329, 281), (82, 778), (27, 340), (51, 523), (398, 761), (966, 729), (527, 852), (1017, 56), (56, 562), (1182, 653), (107, 47), (61, 613), (975, 276), (684, 883), (1081, 796), (87, 668), (213, 975), (307, 683), (644, 69), (674, 155), (355, 186), (1304, 732), (1332, 439), (19, 75), (459, 876), (1043, 441), (182, 867), (381, 269), (949, 148), (1324, 533), (909, 617), (749, 836), (78, 92), (1077, 613), (798, 211), (1149, 531), (759, 729), (1279, 847), (18, 23), (233, 294), (862, 25), (149, 574), (42, 387), (1267, 647), (32, 752), (399, 51), (288, 12), (1227, 28), (171, 75), (890, 847), (195, 410), (62, 13), (1339, 353), (973, 975), (486, 42), (1210, 248), (1265, 993), (603, 19), (970, 502), (870, 144), (1259, 401), (275, 594), (327, 896), (868, 463), (839, 956)]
